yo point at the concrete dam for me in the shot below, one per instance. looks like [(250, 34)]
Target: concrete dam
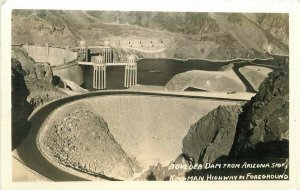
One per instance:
[(53, 55), (66, 62), (58, 58), (73, 73)]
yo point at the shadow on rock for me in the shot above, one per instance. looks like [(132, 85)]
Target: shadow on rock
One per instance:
[(271, 149), (21, 109), (151, 177)]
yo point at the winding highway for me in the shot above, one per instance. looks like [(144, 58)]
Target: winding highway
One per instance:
[(28, 152)]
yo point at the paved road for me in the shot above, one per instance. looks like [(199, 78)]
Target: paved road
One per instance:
[(30, 155)]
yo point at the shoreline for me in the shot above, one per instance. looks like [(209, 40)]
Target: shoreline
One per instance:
[(67, 65), (215, 60), (173, 58)]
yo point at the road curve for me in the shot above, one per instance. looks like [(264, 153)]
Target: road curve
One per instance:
[(28, 152)]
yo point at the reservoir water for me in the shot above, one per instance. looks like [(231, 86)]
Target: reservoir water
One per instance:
[(159, 71), (151, 71)]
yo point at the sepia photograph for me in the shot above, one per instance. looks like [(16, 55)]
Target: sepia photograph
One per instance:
[(149, 95)]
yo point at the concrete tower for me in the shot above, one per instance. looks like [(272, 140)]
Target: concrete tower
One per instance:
[(130, 71)]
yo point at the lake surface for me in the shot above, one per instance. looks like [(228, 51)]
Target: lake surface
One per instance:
[(150, 72), (159, 71)]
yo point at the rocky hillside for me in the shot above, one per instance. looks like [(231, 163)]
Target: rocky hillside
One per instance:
[(212, 136), (31, 87), (177, 22), (259, 129), (38, 26), (81, 140), (38, 78), (276, 24), (266, 118), (186, 35)]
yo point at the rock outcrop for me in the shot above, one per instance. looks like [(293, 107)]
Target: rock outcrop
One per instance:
[(261, 129), (266, 118), (22, 56), (212, 136), (41, 71), (81, 140), (40, 85), (37, 77), (31, 87)]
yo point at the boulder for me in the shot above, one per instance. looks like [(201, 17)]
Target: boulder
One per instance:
[(213, 135)]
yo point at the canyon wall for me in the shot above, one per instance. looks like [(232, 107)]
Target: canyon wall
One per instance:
[(258, 129), (214, 36), (31, 87), (265, 120)]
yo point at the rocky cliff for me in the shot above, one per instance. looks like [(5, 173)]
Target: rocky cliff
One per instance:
[(21, 109), (41, 71), (266, 118), (259, 129), (38, 78), (31, 87), (212, 136)]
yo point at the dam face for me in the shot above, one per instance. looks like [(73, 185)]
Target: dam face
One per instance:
[(149, 129), (55, 56), (73, 73)]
